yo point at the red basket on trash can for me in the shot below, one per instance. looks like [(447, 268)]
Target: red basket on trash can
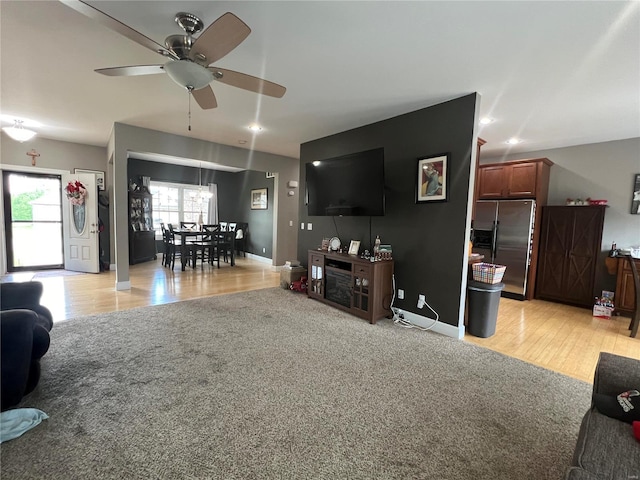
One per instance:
[(488, 272)]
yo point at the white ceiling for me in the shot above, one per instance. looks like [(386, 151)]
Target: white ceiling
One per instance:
[(553, 73)]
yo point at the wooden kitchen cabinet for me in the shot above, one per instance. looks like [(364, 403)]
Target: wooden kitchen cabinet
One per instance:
[(517, 179), (570, 244), (625, 297)]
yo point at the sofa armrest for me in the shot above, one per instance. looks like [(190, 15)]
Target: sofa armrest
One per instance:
[(616, 374), (20, 294), (16, 343)]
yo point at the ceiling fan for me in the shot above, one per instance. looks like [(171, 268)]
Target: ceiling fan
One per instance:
[(190, 58)]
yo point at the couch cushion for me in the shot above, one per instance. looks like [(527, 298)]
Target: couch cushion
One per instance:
[(606, 447)]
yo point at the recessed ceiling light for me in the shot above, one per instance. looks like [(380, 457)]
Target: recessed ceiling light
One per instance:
[(513, 141), (255, 127), (486, 120)]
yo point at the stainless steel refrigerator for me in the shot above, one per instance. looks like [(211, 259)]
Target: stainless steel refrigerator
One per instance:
[(502, 232)]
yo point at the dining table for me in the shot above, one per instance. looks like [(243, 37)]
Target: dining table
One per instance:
[(224, 239)]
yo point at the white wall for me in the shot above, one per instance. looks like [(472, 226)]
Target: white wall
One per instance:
[(53, 154)]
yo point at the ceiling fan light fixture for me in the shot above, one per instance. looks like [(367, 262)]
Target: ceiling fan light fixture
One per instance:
[(188, 74), (18, 132)]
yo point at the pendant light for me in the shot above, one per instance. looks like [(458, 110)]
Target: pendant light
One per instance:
[(206, 195), (18, 132)]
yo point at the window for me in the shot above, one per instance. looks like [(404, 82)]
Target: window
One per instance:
[(174, 203)]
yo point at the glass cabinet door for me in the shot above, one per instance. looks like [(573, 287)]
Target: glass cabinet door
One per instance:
[(361, 278)]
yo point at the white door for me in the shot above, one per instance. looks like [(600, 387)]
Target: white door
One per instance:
[(80, 225)]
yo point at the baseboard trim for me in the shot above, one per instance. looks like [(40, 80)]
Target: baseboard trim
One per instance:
[(259, 258), (123, 285), (439, 327)]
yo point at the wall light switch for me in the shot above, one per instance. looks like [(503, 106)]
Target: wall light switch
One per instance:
[(291, 223), (302, 226), (309, 226), (400, 294)]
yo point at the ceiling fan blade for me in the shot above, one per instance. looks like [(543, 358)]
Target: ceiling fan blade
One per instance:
[(222, 36), (248, 82), (116, 25), (131, 70), (205, 97)]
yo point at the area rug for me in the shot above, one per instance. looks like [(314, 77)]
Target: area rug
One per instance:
[(271, 385)]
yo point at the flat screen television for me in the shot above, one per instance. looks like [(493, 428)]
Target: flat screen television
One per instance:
[(350, 185)]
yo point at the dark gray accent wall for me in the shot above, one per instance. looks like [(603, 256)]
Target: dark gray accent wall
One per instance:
[(234, 194), (260, 231), (428, 239)]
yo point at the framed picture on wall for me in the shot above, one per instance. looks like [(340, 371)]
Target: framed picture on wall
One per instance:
[(99, 176), (635, 199), (432, 178), (259, 199)]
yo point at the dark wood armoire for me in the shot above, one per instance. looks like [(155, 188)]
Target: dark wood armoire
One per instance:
[(570, 244)]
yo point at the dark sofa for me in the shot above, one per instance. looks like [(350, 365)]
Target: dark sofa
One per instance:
[(24, 339), (606, 447)]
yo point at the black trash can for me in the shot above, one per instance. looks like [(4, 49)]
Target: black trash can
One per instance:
[(483, 301)]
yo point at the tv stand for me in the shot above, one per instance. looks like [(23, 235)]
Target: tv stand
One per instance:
[(350, 283)]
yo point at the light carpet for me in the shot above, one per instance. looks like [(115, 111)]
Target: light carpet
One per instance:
[(271, 385)]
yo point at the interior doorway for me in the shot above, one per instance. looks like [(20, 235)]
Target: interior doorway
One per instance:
[(33, 221)]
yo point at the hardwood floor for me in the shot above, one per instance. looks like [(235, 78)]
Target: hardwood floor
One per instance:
[(558, 337), (554, 336)]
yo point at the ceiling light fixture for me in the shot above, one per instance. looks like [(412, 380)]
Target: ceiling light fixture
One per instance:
[(486, 120), (188, 74), (513, 141), (255, 128), (18, 132)]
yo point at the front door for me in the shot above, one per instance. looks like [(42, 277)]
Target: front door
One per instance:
[(80, 223)]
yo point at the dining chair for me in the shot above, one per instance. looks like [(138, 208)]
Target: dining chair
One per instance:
[(241, 238), (208, 245), (223, 226), (635, 318), (165, 245), (176, 248), (189, 225), (172, 250)]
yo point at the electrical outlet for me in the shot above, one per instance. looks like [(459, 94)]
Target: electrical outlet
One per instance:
[(421, 301), (264, 250), (309, 226), (291, 223), (400, 294)]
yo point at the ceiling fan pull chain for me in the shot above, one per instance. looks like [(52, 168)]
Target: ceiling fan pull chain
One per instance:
[(189, 90)]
